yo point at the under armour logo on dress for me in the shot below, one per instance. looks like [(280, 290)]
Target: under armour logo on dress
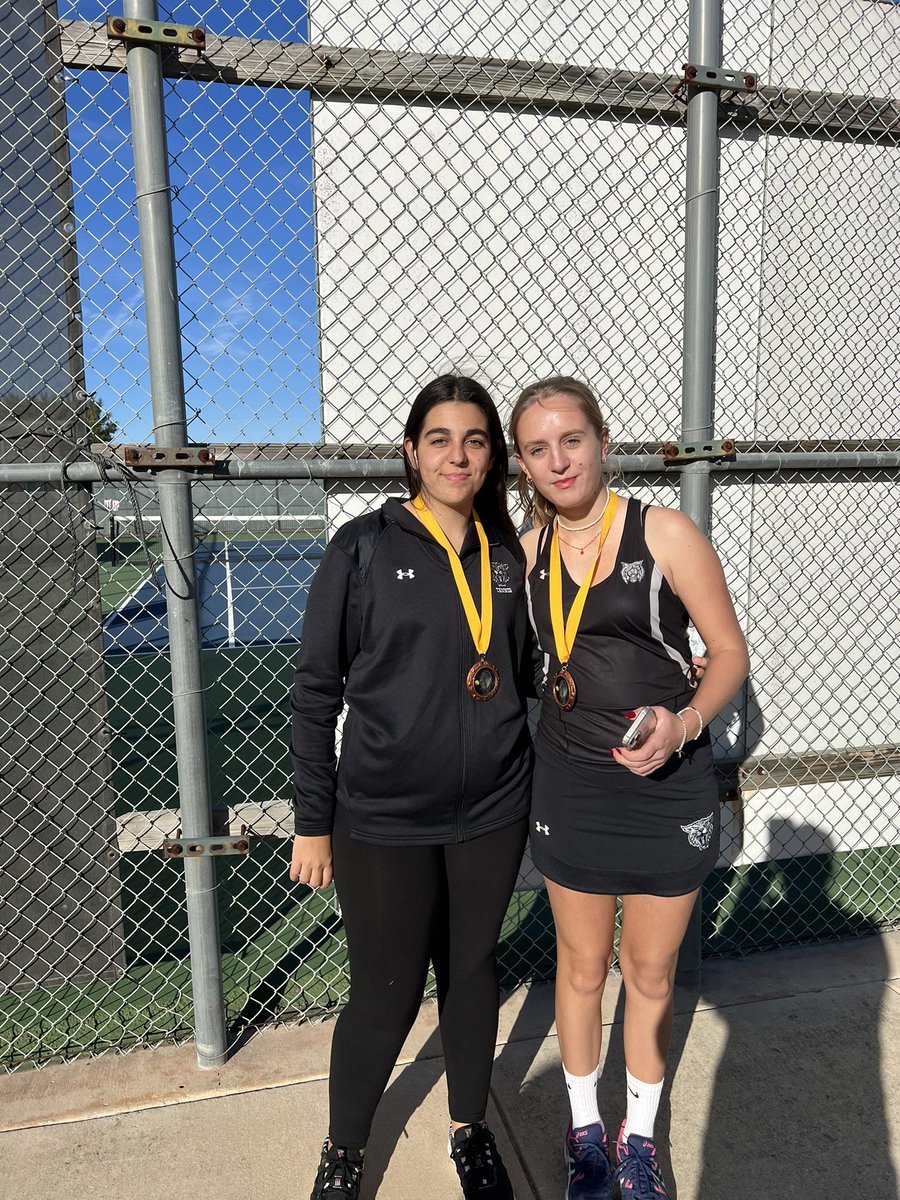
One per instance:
[(699, 832), (410, 574), (544, 829), (543, 574)]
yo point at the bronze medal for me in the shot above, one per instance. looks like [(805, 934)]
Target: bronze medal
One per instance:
[(565, 629), (564, 691), (483, 680)]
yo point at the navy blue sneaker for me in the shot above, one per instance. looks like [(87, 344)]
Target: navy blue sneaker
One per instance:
[(638, 1174), (587, 1161)]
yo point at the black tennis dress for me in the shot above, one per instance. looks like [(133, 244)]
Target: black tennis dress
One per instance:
[(596, 826)]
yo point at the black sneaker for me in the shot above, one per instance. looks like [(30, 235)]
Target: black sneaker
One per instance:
[(339, 1174), (478, 1164)]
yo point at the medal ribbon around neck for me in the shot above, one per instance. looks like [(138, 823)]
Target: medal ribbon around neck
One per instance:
[(478, 685), (564, 635)]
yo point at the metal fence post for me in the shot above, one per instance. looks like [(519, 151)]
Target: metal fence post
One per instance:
[(175, 506), (698, 355)]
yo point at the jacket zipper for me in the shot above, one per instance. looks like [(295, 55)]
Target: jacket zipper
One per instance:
[(464, 739)]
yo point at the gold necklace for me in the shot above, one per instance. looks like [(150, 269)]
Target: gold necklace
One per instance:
[(580, 549)]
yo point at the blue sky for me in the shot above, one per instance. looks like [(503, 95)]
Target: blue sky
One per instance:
[(241, 170)]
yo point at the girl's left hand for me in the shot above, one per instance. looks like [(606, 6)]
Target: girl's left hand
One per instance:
[(658, 748), (699, 663)]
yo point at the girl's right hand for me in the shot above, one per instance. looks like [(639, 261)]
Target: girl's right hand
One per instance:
[(657, 749), (311, 861)]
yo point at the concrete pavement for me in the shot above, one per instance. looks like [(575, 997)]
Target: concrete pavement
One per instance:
[(784, 1071)]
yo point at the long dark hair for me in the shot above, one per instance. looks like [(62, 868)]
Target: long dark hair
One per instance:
[(491, 498)]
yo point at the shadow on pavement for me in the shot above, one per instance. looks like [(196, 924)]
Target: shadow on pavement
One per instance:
[(797, 1106)]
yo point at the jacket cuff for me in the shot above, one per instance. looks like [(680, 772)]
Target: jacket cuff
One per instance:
[(310, 828)]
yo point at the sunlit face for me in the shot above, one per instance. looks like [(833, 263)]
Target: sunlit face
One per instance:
[(560, 452), (453, 454)]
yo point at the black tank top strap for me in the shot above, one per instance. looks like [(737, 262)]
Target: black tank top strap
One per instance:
[(633, 545)]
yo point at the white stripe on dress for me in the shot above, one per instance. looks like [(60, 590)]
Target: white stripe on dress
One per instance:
[(535, 628), (656, 580)]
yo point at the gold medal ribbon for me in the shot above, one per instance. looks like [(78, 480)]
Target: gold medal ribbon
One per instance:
[(479, 624), (564, 636)]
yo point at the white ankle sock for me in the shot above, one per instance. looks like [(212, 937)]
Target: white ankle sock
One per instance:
[(583, 1098), (643, 1101)]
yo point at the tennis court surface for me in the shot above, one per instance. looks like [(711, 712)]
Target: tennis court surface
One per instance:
[(250, 593)]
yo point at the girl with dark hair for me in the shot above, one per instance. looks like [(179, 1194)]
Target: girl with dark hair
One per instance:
[(491, 500), (416, 621), (612, 585)]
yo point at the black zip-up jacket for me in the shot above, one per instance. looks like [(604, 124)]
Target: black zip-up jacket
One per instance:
[(384, 630)]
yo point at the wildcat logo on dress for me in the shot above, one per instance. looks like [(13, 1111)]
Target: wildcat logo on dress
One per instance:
[(500, 572), (699, 832), (632, 572)]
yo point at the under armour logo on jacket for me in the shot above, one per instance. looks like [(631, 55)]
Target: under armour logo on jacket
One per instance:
[(544, 829), (410, 574)]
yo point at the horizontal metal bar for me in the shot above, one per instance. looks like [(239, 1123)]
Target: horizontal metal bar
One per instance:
[(346, 72), (333, 468), (754, 774), (237, 469), (138, 832), (333, 71), (836, 460)]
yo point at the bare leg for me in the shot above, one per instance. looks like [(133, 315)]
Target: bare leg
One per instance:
[(652, 931), (585, 928)]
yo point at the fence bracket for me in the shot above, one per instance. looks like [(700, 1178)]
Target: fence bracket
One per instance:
[(180, 847), (155, 33), (163, 458), (717, 78), (682, 452)]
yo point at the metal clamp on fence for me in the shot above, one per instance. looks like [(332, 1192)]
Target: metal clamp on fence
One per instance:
[(682, 452), (155, 33), (179, 847), (717, 78), (163, 458)]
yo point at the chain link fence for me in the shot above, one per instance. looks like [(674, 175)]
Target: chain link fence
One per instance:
[(363, 196)]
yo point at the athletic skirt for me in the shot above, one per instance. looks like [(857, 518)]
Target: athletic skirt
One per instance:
[(615, 833)]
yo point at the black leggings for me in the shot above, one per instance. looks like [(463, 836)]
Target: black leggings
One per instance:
[(404, 905)]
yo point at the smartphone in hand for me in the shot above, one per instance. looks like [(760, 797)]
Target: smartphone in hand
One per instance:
[(640, 729)]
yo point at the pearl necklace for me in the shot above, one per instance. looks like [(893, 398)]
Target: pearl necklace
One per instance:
[(582, 528)]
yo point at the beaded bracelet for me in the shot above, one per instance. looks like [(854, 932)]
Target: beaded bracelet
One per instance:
[(680, 747), (697, 714)]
